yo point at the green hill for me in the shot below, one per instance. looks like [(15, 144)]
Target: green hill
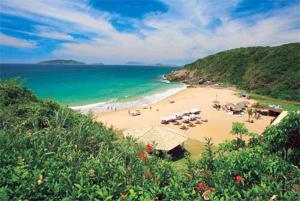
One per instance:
[(62, 62), (272, 71)]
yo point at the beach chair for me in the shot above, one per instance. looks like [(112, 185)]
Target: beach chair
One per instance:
[(198, 122), (176, 123), (191, 125), (183, 127)]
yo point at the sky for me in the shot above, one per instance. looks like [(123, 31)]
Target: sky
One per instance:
[(147, 31)]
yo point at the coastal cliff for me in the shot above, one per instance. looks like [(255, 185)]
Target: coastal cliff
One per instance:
[(271, 71)]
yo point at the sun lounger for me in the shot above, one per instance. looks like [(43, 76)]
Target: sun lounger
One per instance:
[(135, 113), (198, 122), (191, 125), (176, 123), (183, 127)]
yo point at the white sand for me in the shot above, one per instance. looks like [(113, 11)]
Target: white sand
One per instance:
[(219, 122)]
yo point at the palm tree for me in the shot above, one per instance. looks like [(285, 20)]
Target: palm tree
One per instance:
[(239, 129)]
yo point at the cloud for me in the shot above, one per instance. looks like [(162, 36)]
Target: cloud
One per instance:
[(16, 42), (183, 33), (48, 32), (176, 35), (74, 14)]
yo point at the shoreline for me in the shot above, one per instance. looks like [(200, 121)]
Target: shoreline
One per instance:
[(138, 101), (219, 122)]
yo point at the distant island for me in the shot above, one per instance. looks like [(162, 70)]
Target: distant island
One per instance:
[(134, 63), (62, 61)]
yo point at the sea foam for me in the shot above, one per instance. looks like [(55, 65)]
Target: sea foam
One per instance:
[(140, 102)]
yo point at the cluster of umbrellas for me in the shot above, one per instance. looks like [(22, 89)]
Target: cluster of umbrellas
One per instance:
[(185, 115)]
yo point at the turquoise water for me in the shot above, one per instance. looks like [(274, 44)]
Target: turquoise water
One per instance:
[(86, 84)]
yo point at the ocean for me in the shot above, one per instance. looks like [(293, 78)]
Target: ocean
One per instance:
[(95, 87)]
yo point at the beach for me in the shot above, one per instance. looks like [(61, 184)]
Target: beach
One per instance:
[(219, 122)]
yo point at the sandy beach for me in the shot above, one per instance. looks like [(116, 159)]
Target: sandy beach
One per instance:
[(219, 122)]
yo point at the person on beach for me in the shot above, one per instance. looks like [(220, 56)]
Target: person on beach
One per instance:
[(150, 107)]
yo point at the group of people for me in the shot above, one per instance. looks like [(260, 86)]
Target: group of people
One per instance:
[(111, 108)]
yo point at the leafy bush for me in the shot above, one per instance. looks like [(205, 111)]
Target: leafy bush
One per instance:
[(49, 152)]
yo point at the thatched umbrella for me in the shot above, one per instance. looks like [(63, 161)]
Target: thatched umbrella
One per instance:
[(216, 102), (242, 105), (237, 109), (166, 138), (246, 102), (229, 106)]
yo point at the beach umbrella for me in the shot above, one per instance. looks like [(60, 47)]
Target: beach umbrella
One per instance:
[(177, 114), (186, 112), (185, 118), (164, 118), (192, 116), (164, 137), (195, 111), (216, 102), (172, 118), (246, 102)]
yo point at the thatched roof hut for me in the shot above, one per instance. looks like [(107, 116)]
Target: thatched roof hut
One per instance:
[(166, 138), (242, 105), (237, 109)]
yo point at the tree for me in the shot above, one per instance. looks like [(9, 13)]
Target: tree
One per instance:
[(250, 113), (239, 129), (284, 137)]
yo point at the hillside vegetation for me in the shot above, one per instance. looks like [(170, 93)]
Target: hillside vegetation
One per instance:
[(271, 71), (49, 152)]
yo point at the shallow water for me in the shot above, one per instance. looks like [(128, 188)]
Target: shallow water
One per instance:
[(94, 84)]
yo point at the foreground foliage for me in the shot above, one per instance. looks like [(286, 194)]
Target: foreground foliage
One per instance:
[(271, 71), (49, 152)]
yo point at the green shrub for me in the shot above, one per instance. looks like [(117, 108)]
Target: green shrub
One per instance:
[(49, 152)]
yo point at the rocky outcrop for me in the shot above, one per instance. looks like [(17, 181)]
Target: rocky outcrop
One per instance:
[(188, 77), (179, 75)]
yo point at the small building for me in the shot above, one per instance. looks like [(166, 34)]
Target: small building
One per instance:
[(278, 119), (274, 112), (165, 138)]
